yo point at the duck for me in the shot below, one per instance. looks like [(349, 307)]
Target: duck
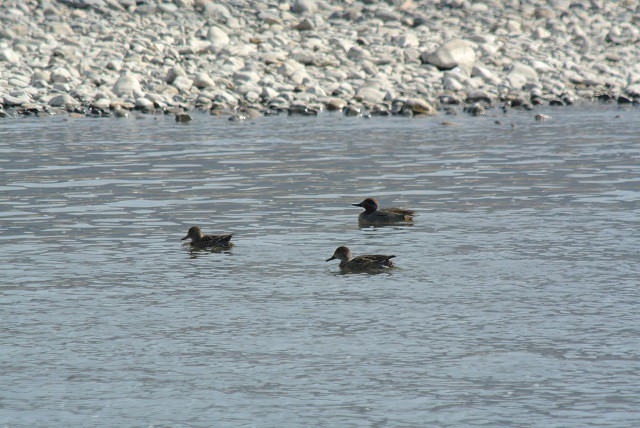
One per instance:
[(373, 214), (364, 263), (201, 241)]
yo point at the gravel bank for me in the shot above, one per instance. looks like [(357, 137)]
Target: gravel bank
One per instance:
[(369, 57)]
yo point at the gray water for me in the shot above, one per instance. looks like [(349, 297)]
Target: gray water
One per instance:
[(515, 301)]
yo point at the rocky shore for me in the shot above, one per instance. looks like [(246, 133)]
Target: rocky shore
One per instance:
[(364, 57)]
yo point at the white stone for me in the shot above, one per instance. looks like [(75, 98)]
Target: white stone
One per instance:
[(269, 93), (226, 97), (252, 96), (514, 27), (526, 71), (452, 84), (304, 7), (454, 53), (408, 40), (215, 10), (101, 103), (60, 75), (419, 106), (173, 73), (62, 87), (305, 25), (541, 33), (8, 55), (541, 67), (115, 65), (369, 94), (633, 90), (60, 29), (202, 80), (357, 53), (143, 103), (40, 76), (484, 73), (217, 36), (19, 81), (520, 74), (126, 85), (158, 100), (246, 76), (63, 100), (488, 50), (198, 45), (16, 99), (183, 83)]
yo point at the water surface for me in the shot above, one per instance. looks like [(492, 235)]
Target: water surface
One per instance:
[(515, 302)]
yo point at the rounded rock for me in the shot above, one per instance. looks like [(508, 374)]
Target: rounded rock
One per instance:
[(335, 104), (173, 73), (454, 53), (9, 56), (304, 7), (202, 81), (217, 36), (418, 106), (126, 85), (183, 118), (144, 104), (64, 100), (182, 83)]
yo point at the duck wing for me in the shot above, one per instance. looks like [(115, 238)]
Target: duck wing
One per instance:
[(399, 213), (214, 241), (387, 215), (370, 262)]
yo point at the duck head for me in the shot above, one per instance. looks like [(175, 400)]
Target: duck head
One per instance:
[(342, 254), (369, 205), (194, 233)]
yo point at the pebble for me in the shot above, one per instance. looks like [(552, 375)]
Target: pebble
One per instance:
[(14, 100), (126, 85), (454, 53), (304, 7), (418, 106), (144, 104), (9, 56), (202, 81), (476, 110), (119, 112), (64, 100), (183, 118), (217, 37), (336, 104)]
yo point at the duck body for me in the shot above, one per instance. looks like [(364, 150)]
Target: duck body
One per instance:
[(372, 214), (364, 263), (200, 241)]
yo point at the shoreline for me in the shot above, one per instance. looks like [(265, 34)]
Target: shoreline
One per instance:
[(447, 114), (364, 58)]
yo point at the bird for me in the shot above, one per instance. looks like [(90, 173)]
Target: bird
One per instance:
[(364, 263), (201, 241), (373, 215)]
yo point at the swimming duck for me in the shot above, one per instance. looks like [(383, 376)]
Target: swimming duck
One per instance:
[(364, 263), (373, 215), (201, 241)]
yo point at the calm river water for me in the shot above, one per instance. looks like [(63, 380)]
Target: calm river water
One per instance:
[(516, 301)]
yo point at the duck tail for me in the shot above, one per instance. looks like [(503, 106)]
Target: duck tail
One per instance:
[(225, 239)]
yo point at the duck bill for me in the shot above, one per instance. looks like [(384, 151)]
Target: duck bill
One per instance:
[(185, 238), (332, 258), (357, 205)]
